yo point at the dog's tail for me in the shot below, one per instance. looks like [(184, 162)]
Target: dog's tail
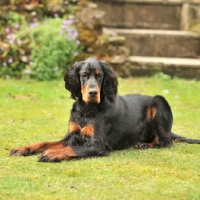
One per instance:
[(178, 138)]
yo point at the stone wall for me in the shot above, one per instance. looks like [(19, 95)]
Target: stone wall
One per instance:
[(150, 14)]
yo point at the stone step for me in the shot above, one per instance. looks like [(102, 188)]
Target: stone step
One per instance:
[(139, 66), (161, 43), (149, 14)]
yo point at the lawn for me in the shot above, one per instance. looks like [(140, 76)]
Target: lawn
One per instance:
[(34, 111)]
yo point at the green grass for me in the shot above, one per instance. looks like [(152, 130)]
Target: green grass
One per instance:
[(33, 111)]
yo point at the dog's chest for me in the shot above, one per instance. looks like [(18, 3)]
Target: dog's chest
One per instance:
[(85, 115)]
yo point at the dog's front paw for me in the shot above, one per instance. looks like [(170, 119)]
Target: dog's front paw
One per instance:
[(21, 151), (142, 146), (51, 155)]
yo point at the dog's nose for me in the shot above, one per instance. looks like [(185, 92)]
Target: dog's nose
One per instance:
[(93, 92)]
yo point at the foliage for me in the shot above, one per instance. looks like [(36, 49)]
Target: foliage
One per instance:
[(53, 49), (162, 76), (41, 50), (14, 18), (39, 111), (37, 38)]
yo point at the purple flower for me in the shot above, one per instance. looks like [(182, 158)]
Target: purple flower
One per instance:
[(9, 36), (69, 32), (35, 19), (32, 25), (10, 60), (4, 64), (75, 34), (7, 30), (11, 41), (56, 15), (16, 26), (68, 21), (78, 42), (19, 42)]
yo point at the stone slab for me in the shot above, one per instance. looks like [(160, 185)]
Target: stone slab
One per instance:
[(154, 1), (136, 14), (161, 43), (150, 14), (179, 62), (141, 66)]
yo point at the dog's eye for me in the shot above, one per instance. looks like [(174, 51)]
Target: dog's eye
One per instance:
[(84, 75), (99, 75)]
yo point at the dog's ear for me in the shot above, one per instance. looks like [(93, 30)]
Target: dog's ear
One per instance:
[(72, 82), (110, 83)]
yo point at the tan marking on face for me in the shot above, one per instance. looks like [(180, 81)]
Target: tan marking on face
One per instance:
[(88, 130), (84, 91), (97, 72), (74, 127), (99, 95), (86, 97)]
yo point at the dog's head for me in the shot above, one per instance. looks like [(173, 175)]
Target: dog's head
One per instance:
[(91, 80)]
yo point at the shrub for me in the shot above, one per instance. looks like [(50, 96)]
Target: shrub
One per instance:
[(41, 50)]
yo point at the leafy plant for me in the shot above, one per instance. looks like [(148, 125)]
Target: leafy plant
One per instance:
[(14, 19), (53, 49), (163, 76), (41, 50)]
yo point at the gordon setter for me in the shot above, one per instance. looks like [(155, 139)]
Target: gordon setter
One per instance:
[(101, 121)]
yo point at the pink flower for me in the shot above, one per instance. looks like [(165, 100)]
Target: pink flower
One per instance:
[(19, 42), (9, 36), (16, 26), (11, 41), (56, 15), (75, 34), (68, 21), (32, 25), (7, 30), (10, 60)]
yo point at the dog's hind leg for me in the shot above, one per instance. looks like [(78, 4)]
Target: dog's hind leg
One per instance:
[(158, 124)]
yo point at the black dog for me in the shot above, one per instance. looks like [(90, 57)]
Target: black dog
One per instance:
[(101, 121)]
